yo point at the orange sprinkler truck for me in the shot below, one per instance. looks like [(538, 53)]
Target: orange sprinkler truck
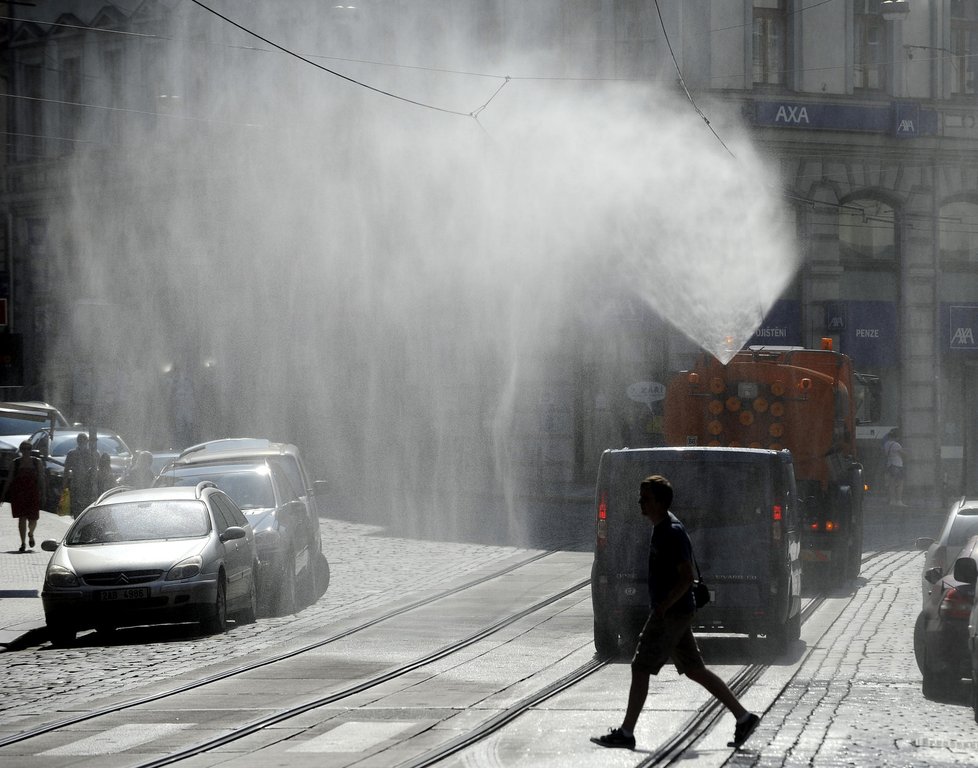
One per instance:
[(777, 398)]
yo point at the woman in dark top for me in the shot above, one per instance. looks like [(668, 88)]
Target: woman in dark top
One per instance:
[(24, 489)]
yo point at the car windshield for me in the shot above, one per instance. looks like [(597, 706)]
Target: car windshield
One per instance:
[(141, 521), (22, 424), (109, 444), (249, 489), (964, 526)]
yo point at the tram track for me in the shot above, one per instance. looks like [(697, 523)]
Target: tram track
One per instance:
[(266, 661), (691, 733)]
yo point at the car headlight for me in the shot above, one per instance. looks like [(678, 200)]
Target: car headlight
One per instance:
[(59, 576), (185, 569)]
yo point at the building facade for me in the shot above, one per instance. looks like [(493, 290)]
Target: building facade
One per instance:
[(868, 107)]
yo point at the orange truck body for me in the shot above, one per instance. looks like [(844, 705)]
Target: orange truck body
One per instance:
[(795, 399), (799, 399)]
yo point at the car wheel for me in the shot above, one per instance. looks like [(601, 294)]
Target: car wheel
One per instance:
[(286, 600), (215, 620), (61, 634), (974, 692), (918, 641), (250, 613), (322, 576), (308, 589)]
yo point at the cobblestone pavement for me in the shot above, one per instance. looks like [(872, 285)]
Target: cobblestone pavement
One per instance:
[(857, 700), (368, 570)]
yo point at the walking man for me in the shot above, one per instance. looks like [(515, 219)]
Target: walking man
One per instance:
[(667, 633)]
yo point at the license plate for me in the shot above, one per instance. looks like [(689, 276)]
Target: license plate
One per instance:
[(131, 593), (815, 556)]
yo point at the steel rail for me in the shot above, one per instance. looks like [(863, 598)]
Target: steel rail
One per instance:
[(250, 666), (287, 714)]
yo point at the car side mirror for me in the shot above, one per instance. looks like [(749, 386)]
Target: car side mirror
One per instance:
[(933, 575), (48, 545), (923, 542), (233, 532), (319, 487), (966, 570)]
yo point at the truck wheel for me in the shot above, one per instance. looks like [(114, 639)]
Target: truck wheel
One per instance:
[(605, 639), (854, 564)]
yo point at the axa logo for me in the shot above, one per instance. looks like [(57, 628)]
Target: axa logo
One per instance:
[(906, 126), (963, 337), (790, 114)]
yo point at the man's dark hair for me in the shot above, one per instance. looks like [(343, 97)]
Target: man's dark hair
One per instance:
[(658, 488)]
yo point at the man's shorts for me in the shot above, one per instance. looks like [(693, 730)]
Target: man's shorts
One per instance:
[(669, 637)]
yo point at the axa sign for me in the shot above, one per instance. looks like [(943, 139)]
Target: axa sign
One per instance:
[(794, 115), (961, 328)]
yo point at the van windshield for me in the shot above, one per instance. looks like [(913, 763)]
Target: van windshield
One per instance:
[(707, 493), (723, 503)]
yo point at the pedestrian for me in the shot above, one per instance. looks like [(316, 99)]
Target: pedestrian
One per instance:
[(667, 633), (140, 474), (895, 454), (79, 476), (24, 489), (104, 479)]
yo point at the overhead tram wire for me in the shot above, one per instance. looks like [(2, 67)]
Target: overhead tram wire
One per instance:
[(682, 82), (283, 49)]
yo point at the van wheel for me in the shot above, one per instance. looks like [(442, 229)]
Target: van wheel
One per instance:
[(778, 638), (794, 627), (605, 639)]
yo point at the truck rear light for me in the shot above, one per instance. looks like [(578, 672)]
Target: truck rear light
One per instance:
[(830, 525), (956, 604)]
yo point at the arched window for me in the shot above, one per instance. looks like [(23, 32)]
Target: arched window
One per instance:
[(868, 249)]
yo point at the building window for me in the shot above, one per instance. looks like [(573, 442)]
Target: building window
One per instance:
[(964, 46), (70, 76), (770, 42), (870, 46)]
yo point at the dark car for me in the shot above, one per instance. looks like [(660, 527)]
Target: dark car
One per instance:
[(741, 509), (286, 533), (941, 629), (966, 571), (53, 446), (151, 556)]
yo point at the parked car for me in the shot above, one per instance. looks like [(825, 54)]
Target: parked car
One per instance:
[(940, 631), (966, 572), (284, 454), (53, 446), (152, 556), (742, 511), (20, 420), (286, 531)]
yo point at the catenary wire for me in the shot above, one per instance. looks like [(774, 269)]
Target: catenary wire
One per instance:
[(682, 82), (333, 72)]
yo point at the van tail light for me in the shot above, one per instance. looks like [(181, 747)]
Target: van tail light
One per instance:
[(956, 604), (776, 512), (776, 517), (602, 531)]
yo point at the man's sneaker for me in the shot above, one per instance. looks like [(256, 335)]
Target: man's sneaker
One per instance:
[(615, 738), (743, 730)]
